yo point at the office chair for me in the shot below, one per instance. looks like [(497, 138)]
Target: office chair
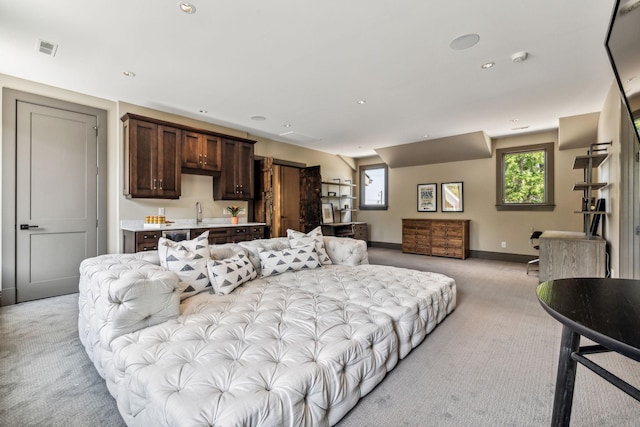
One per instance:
[(534, 241)]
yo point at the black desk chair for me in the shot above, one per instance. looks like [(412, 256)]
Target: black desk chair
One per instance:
[(534, 241)]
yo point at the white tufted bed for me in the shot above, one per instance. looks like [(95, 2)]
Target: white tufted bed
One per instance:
[(298, 348)]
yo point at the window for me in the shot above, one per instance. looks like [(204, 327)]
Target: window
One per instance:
[(524, 178), (374, 187)]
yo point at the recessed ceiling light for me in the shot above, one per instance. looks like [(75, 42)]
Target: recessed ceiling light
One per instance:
[(258, 118), (128, 73), (187, 8), (487, 65), (362, 102), (287, 125), (464, 41)]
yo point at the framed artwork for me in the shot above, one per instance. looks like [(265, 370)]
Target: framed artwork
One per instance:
[(427, 197), (327, 213), (452, 197)]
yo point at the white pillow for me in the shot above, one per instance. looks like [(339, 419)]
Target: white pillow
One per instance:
[(227, 274), (276, 262), (188, 259), (297, 239)]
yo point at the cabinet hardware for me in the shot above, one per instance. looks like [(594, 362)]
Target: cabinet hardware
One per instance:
[(27, 226), (155, 187)]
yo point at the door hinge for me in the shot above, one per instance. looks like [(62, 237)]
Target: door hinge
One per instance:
[(638, 157), (96, 129), (97, 223), (637, 230)]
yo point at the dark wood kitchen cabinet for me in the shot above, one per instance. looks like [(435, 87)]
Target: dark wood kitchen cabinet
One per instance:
[(236, 174), (152, 159), (201, 153)]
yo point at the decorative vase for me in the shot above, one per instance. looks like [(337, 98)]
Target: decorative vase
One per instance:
[(234, 220)]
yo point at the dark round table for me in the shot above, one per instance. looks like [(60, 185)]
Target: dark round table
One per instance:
[(607, 311)]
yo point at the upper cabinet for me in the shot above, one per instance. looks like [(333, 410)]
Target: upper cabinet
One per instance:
[(152, 153), (200, 153), (236, 174), (158, 152)]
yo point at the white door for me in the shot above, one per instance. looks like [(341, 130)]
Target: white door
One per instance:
[(56, 199)]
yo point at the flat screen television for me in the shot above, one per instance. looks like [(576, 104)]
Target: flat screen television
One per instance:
[(623, 47)]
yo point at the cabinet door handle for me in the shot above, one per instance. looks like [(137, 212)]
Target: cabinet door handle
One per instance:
[(161, 184), (205, 159), (154, 184), (200, 159)]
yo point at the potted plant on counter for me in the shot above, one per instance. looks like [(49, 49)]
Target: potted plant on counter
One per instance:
[(233, 210)]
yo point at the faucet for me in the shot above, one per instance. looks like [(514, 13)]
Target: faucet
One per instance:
[(198, 213)]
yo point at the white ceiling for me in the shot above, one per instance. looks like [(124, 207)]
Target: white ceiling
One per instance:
[(307, 63)]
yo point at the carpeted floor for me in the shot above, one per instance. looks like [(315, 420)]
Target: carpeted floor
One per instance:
[(492, 362)]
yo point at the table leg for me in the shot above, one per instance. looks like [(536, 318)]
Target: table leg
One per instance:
[(566, 378)]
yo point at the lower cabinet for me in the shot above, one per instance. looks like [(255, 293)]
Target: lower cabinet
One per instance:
[(355, 230), (439, 237), (141, 240), (566, 254), (138, 241)]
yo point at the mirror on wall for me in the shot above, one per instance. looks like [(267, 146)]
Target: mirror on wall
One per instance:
[(623, 47)]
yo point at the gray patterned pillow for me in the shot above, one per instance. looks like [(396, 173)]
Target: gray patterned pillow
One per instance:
[(298, 238), (227, 274), (188, 259), (276, 262)]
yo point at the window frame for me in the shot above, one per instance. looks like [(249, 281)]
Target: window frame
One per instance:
[(549, 202), (361, 174)]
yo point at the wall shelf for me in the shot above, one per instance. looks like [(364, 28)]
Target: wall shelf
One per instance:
[(596, 155), (341, 197)]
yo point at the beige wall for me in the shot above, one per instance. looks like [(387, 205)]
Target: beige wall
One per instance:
[(194, 187), (489, 227)]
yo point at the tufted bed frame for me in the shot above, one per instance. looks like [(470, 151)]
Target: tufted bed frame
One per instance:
[(294, 349)]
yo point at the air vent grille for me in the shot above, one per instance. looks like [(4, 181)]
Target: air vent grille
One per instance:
[(47, 48)]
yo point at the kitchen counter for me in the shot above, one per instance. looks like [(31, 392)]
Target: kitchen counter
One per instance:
[(183, 224), (139, 237)]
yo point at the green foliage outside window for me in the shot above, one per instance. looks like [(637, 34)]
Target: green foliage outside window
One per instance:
[(524, 179)]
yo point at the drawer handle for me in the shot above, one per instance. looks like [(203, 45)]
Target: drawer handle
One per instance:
[(150, 236)]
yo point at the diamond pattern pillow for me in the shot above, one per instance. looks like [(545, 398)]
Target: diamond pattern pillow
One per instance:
[(188, 259), (227, 274), (298, 238), (276, 262)]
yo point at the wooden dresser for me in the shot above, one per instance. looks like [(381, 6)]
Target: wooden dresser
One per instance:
[(440, 237)]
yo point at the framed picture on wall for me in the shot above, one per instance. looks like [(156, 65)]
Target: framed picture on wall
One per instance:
[(427, 197), (452, 197), (327, 213)]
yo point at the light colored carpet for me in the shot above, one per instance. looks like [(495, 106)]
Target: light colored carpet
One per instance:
[(492, 362)]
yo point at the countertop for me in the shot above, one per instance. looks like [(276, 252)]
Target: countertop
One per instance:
[(183, 224)]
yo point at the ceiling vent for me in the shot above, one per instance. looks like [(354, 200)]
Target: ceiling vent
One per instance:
[(46, 47)]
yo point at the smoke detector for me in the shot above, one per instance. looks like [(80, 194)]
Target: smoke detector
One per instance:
[(519, 57)]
